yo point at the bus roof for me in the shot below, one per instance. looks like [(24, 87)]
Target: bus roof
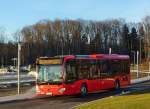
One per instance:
[(92, 56), (104, 56), (110, 56)]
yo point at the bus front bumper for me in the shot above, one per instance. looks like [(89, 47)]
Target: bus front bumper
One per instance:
[(50, 90)]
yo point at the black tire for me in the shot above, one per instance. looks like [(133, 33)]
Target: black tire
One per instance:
[(84, 90), (117, 85)]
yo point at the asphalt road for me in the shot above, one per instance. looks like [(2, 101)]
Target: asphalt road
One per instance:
[(66, 102)]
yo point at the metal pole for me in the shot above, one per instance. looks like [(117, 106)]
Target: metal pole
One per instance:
[(62, 48), (14, 62), (140, 52), (134, 59), (149, 70), (19, 50), (109, 50), (137, 64), (36, 73)]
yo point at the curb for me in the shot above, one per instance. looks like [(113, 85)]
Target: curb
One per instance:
[(23, 99), (11, 101), (17, 100)]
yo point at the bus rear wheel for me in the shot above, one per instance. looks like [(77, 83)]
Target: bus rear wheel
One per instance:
[(84, 90)]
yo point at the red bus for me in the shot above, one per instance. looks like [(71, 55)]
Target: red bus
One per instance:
[(81, 74)]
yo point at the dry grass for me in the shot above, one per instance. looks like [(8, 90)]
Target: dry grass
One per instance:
[(136, 100)]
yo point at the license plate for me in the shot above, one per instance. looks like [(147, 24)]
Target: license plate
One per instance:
[(49, 93)]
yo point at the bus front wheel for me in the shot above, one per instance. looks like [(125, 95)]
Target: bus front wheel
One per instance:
[(84, 90)]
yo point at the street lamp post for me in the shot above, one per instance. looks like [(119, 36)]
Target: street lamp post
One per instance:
[(134, 57), (137, 74), (110, 50), (62, 49), (149, 70), (70, 41), (19, 54), (14, 61), (140, 52), (140, 49)]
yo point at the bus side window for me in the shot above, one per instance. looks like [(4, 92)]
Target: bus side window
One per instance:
[(94, 69), (104, 69), (83, 69), (115, 67), (122, 67), (126, 66), (71, 74)]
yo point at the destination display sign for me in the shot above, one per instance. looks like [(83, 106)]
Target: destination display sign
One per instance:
[(50, 61)]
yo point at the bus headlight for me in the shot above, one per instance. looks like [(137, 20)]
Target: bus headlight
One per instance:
[(37, 89), (61, 90)]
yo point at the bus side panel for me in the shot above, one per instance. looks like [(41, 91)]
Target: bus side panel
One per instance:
[(107, 83), (93, 85), (75, 88)]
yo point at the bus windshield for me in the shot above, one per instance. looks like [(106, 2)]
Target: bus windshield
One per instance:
[(49, 74)]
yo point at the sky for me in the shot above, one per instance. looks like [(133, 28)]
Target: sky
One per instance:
[(15, 14)]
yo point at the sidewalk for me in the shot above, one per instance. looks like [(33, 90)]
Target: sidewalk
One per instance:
[(139, 80), (31, 93)]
